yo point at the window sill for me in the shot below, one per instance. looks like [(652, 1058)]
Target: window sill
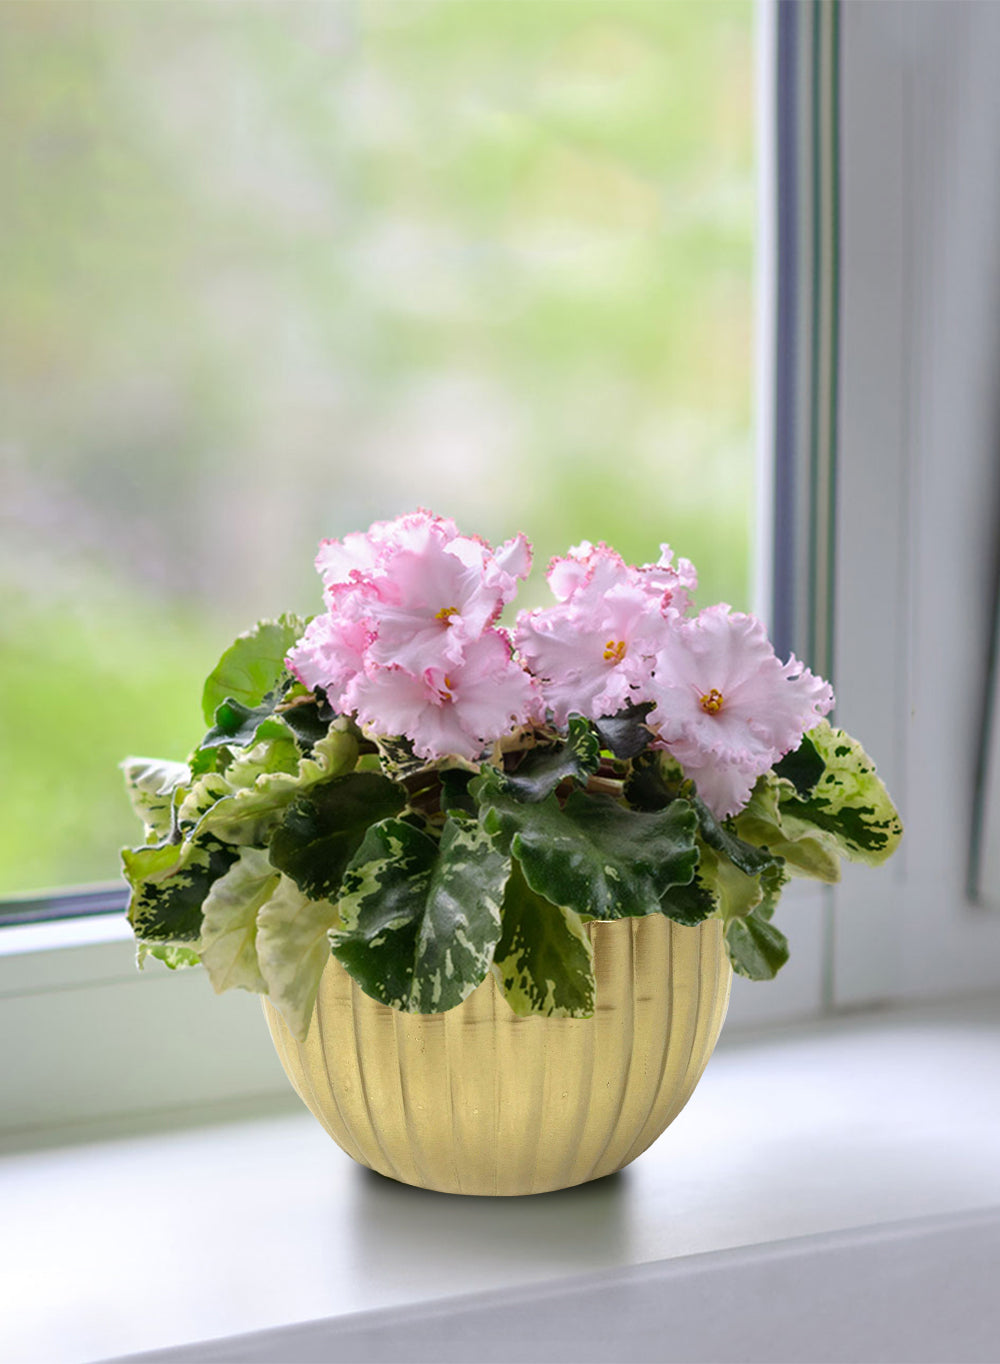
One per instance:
[(836, 1132)]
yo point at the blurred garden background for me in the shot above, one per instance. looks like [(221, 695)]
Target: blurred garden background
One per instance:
[(269, 271)]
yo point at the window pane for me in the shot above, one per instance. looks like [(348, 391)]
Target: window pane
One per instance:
[(273, 270)]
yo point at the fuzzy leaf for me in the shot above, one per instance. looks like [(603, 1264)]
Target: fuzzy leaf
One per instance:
[(169, 885), (322, 830), (293, 949), (541, 770), (849, 803), (418, 920), (229, 927), (544, 961), (253, 665), (593, 855)]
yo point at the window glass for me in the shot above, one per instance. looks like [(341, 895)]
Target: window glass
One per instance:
[(273, 270)]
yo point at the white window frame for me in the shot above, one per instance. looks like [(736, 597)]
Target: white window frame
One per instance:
[(99, 1039)]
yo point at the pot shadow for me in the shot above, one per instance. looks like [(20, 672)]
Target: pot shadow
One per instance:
[(416, 1236)]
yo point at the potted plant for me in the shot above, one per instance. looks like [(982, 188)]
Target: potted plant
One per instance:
[(492, 882)]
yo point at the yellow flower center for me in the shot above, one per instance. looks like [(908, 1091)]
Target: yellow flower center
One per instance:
[(711, 702), (614, 651), (446, 613)]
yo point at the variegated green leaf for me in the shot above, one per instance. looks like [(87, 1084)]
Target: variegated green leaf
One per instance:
[(321, 831), (228, 944), (171, 956), (809, 853), (544, 960), (849, 804), (541, 770), (735, 893), (152, 784), (245, 804), (594, 855), (253, 665), (293, 950), (803, 767), (419, 920), (169, 886)]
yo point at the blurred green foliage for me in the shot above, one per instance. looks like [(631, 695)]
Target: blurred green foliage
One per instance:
[(271, 270)]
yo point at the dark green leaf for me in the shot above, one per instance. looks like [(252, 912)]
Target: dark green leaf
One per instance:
[(756, 948), (419, 920), (743, 855), (803, 767), (321, 831), (593, 855), (542, 769), (654, 781), (455, 791), (544, 960), (690, 904), (626, 734), (169, 885)]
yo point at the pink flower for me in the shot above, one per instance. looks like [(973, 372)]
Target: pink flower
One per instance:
[(330, 653), (360, 555), (726, 708), (672, 586), (410, 593), (455, 711), (587, 566), (434, 600), (592, 652)]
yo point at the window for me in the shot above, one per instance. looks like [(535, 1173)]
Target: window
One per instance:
[(275, 270)]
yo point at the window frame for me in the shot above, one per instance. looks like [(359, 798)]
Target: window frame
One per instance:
[(836, 381)]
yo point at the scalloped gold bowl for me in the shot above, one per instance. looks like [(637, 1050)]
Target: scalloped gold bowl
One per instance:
[(479, 1101)]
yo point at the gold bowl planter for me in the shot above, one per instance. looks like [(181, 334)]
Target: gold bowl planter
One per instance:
[(480, 1101)]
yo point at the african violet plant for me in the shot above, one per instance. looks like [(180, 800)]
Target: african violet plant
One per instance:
[(405, 783)]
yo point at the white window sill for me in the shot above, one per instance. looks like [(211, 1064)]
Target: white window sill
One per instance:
[(834, 1131)]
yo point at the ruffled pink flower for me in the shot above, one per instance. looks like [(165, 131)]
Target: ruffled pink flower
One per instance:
[(672, 585), (456, 711), (330, 654), (592, 654), (726, 708), (410, 593), (433, 601), (360, 555)]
